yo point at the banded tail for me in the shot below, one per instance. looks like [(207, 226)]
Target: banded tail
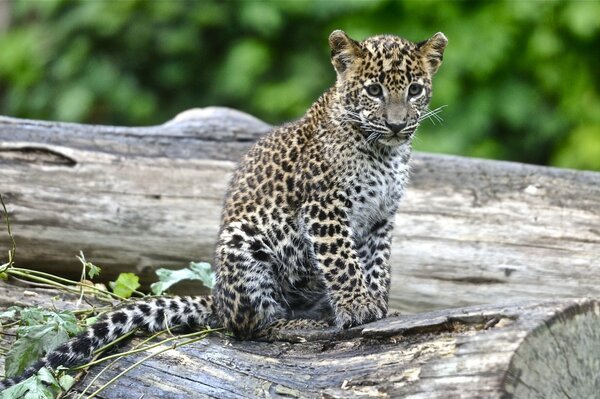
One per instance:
[(152, 315)]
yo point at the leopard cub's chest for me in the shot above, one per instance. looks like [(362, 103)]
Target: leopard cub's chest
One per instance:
[(376, 189)]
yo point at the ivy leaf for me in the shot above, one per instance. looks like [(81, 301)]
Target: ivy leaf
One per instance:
[(125, 285), (196, 271)]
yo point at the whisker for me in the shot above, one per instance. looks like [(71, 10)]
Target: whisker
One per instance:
[(374, 135), (438, 109), (432, 112), (433, 115), (437, 116)]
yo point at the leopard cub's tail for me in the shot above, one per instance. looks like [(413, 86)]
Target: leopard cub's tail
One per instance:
[(152, 315)]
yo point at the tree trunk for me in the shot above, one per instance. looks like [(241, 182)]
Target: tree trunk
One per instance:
[(533, 350), (469, 231)]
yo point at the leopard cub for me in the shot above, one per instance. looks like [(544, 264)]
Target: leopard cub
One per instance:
[(306, 228)]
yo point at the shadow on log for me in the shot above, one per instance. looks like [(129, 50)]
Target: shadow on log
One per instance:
[(468, 232)]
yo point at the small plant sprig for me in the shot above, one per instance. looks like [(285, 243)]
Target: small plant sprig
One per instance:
[(13, 250)]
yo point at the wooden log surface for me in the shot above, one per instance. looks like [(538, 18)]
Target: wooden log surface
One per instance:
[(532, 349), (468, 231)]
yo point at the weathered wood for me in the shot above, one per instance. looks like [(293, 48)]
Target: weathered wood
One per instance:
[(531, 350), (528, 350), (469, 231)]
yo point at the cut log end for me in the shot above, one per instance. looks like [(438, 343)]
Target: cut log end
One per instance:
[(560, 358)]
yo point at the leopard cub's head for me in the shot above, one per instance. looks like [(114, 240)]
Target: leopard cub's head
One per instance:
[(384, 83)]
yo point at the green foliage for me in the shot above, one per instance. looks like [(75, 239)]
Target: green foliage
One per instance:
[(9, 314), (125, 285), (196, 271), (91, 269), (39, 331), (43, 385), (519, 77), (32, 388)]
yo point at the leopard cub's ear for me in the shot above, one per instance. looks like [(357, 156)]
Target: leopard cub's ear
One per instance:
[(344, 50), (432, 51)]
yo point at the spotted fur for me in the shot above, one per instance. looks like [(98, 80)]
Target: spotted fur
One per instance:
[(306, 227)]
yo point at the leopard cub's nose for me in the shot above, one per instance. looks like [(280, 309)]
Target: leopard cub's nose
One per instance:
[(395, 127)]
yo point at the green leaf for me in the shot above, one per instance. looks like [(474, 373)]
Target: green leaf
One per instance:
[(32, 344), (40, 331), (65, 320), (21, 354), (582, 18), (196, 271), (37, 316), (245, 62), (261, 16), (8, 314), (47, 377), (66, 382), (92, 270), (31, 316), (125, 285), (31, 388)]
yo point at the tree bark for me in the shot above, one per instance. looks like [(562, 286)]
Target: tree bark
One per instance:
[(533, 349), (469, 231)]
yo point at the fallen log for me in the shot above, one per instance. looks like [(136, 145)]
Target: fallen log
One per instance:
[(468, 232), (534, 349)]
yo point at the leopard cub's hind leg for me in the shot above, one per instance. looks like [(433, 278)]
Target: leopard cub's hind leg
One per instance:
[(247, 291)]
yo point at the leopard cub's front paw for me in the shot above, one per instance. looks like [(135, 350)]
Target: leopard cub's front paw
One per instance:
[(357, 312)]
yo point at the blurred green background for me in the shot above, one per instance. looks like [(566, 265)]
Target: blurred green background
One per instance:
[(520, 79)]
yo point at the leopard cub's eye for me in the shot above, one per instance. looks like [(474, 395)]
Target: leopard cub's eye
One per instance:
[(375, 90), (415, 89)]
